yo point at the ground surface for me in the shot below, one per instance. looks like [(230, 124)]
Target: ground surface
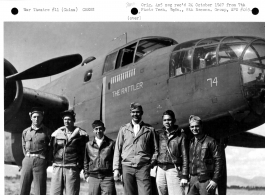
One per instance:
[(12, 187)]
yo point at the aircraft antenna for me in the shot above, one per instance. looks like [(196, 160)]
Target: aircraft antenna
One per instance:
[(120, 36)]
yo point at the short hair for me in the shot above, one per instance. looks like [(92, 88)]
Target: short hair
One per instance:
[(170, 113), (194, 118), (97, 123), (68, 113)]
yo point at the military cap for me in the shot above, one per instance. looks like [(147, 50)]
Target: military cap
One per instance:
[(136, 105), (36, 109), (97, 123), (67, 113), (194, 118)]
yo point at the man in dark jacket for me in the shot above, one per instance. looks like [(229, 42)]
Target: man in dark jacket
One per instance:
[(172, 171), (98, 162), (35, 145), (135, 153), (68, 144), (205, 160)]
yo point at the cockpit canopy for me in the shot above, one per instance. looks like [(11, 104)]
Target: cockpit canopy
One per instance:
[(134, 51), (202, 53)]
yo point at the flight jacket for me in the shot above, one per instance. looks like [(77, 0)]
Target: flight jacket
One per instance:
[(69, 152), (99, 160), (178, 146), (207, 157), (135, 151)]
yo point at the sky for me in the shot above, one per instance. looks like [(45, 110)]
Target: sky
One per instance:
[(29, 43)]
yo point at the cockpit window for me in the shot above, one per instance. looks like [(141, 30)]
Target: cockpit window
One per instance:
[(232, 51), (180, 62), (253, 71), (129, 54), (256, 53), (149, 45), (204, 56), (110, 62), (126, 56)]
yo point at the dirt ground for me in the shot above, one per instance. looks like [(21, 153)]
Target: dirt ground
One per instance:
[(12, 187)]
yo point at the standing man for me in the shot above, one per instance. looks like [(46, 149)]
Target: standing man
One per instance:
[(172, 171), (205, 160), (35, 145), (98, 162), (68, 144), (135, 153)]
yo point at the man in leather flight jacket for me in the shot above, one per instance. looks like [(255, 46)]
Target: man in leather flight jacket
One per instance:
[(98, 162), (204, 159), (68, 144), (172, 174)]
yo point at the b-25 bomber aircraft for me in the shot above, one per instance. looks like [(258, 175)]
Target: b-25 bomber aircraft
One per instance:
[(221, 79)]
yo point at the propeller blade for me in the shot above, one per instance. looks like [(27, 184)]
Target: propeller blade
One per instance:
[(48, 68)]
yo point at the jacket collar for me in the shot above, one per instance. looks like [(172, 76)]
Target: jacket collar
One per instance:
[(34, 128), (199, 140), (175, 130), (105, 139), (74, 134), (129, 126), (141, 124)]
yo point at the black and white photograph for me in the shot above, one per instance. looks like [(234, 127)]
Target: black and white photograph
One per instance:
[(98, 80)]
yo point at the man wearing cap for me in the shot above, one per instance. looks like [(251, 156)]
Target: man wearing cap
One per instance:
[(35, 145), (135, 153), (68, 144), (98, 162), (205, 160)]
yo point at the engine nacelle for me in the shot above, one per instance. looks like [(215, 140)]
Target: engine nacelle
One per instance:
[(13, 93)]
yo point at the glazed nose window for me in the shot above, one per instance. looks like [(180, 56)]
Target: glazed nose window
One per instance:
[(255, 54), (253, 65)]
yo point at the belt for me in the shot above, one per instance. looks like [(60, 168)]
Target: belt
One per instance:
[(166, 166), (35, 155), (101, 175)]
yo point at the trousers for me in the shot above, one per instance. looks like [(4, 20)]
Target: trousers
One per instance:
[(101, 186), (33, 169), (168, 182), (136, 180), (199, 188), (65, 179)]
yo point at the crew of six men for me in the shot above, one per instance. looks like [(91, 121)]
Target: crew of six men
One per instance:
[(138, 149)]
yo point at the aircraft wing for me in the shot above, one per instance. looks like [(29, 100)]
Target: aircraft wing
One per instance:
[(248, 140)]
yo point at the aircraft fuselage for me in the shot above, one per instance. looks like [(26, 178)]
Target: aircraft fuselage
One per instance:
[(217, 87)]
